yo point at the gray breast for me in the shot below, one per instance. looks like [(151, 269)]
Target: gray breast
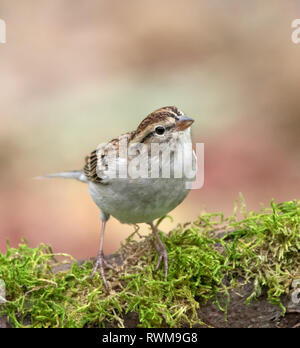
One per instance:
[(140, 200)]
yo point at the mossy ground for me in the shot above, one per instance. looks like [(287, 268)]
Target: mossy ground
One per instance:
[(206, 258)]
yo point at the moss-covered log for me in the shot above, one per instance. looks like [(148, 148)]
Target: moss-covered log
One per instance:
[(224, 272)]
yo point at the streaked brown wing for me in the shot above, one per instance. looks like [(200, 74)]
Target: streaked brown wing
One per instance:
[(90, 168), (96, 164)]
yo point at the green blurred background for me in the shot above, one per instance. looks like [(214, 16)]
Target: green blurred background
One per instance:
[(74, 74)]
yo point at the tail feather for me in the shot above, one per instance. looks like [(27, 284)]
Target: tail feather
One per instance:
[(73, 174)]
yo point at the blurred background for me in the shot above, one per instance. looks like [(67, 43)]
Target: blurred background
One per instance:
[(74, 74)]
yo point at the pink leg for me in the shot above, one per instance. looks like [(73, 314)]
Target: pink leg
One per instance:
[(161, 249), (100, 258)]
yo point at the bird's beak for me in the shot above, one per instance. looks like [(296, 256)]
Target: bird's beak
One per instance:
[(183, 123)]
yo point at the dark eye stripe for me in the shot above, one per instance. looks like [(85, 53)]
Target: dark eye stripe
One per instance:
[(147, 136)]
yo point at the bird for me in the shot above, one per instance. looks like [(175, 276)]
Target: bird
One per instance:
[(152, 154)]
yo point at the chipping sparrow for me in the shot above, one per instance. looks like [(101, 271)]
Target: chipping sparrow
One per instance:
[(138, 198)]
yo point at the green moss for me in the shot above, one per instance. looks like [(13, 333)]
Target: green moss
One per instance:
[(206, 259)]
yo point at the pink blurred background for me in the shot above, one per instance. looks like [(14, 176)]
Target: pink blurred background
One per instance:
[(76, 74)]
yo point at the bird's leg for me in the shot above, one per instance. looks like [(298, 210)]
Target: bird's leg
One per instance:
[(161, 249), (100, 258), (158, 249)]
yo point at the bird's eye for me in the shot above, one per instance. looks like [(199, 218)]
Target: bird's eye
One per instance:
[(159, 130)]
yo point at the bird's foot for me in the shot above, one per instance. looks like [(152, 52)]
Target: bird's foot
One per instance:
[(100, 263), (163, 255)]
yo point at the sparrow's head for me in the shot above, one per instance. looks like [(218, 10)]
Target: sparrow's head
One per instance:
[(162, 125)]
